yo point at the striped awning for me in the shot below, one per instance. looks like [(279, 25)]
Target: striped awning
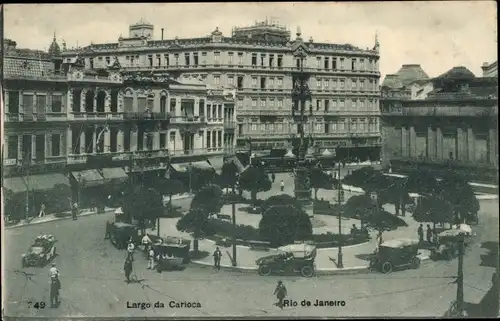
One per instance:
[(202, 165), (115, 174), (184, 167), (44, 182), (15, 184), (217, 163), (88, 178)]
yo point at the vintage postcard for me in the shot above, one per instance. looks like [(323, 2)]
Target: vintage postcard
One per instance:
[(249, 160)]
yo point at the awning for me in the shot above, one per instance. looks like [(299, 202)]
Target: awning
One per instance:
[(237, 162), (182, 167), (46, 182), (115, 174), (217, 163), (202, 165), (14, 184), (88, 178)]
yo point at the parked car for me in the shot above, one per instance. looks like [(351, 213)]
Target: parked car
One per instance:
[(290, 258), (170, 256), (42, 251), (396, 253), (447, 247)]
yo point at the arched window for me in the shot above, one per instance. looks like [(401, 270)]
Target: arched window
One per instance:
[(77, 100), (163, 104), (101, 100), (89, 101), (114, 100)]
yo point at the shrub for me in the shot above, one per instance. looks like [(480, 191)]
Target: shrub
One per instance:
[(209, 199), (282, 199), (225, 229), (283, 224)]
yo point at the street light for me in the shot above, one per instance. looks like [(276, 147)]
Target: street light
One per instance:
[(301, 94), (340, 259), (190, 169)]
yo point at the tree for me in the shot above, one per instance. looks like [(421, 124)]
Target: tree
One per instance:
[(455, 190), (58, 199), (432, 209), (360, 207), (208, 199), (284, 224), (282, 199), (422, 181), (143, 204), (319, 179), (170, 187), (196, 222), (14, 205), (366, 178), (255, 180), (229, 175), (393, 190), (200, 177)]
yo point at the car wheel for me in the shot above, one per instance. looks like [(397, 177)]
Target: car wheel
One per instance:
[(387, 267), (415, 263), (307, 271), (264, 270)]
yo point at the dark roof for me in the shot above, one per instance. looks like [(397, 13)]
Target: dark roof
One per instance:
[(54, 49), (392, 81), (457, 73), (27, 68), (410, 73)]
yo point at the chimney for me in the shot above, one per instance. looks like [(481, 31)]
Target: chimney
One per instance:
[(161, 33)]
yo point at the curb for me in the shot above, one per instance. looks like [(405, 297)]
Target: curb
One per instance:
[(54, 219), (271, 249), (79, 215), (323, 271)]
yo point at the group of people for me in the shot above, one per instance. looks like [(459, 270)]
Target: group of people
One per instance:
[(430, 234)]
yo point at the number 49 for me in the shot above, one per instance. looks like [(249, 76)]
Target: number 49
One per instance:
[(37, 305)]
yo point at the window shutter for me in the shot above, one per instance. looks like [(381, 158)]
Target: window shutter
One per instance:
[(48, 144)]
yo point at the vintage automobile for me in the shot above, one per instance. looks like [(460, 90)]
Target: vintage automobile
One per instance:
[(396, 253), (42, 251), (170, 256), (447, 243), (120, 233), (290, 258)]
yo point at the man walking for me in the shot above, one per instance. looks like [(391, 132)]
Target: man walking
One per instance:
[(429, 234), (273, 177), (280, 293), (74, 211), (128, 269), (282, 186), (42, 210), (217, 257), (130, 250), (151, 262), (420, 232)]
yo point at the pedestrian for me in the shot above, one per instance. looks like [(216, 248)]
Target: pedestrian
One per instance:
[(354, 230), (128, 269), (282, 184), (151, 262), (429, 234), (217, 257), (55, 285), (74, 211), (146, 241), (273, 177), (280, 293), (107, 235), (130, 250), (378, 241), (42, 210), (420, 232)]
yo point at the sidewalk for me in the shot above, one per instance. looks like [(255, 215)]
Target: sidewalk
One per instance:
[(67, 215)]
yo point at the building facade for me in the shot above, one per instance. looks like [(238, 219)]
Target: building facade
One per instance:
[(490, 70), (454, 126), (67, 124), (258, 62)]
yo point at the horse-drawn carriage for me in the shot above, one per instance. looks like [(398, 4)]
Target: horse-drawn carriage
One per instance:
[(40, 252)]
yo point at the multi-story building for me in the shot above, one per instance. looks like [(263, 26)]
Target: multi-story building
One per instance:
[(68, 124), (258, 62), (454, 126), (490, 70)]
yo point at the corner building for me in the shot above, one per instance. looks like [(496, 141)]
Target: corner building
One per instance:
[(258, 62), (69, 124)]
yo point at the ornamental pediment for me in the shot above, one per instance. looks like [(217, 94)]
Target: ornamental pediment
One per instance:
[(300, 50)]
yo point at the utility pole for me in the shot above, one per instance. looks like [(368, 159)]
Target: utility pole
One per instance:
[(460, 276), (340, 260), (27, 162), (233, 210)]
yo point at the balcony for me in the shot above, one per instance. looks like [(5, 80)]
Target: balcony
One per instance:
[(197, 151), (146, 116), (229, 125), (77, 159), (188, 120), (13, 117), (442, 110)]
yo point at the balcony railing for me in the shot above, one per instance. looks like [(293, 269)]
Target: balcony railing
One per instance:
[(77, 159), (146, 116), (188, 119)]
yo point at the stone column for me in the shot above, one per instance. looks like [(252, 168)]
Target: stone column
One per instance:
[(107, 101), (413, 142), (470, 144), (405, 150), (94, 139), (69, 141), (439, 143), (82, 141), (156, 140), (492, 146), (107, 141), (94, 110), (33, 146), (462, 144), (133, 140), (120, 140)]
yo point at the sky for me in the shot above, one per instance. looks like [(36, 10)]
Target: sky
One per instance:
[(437, 35)]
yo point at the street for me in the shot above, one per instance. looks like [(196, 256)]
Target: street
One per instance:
[(93, 281)]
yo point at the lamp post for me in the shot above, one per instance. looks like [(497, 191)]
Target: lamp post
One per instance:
[(233, 211), (27, 167), (249, 141), (301, 94), (340, 260), (190, 169)]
